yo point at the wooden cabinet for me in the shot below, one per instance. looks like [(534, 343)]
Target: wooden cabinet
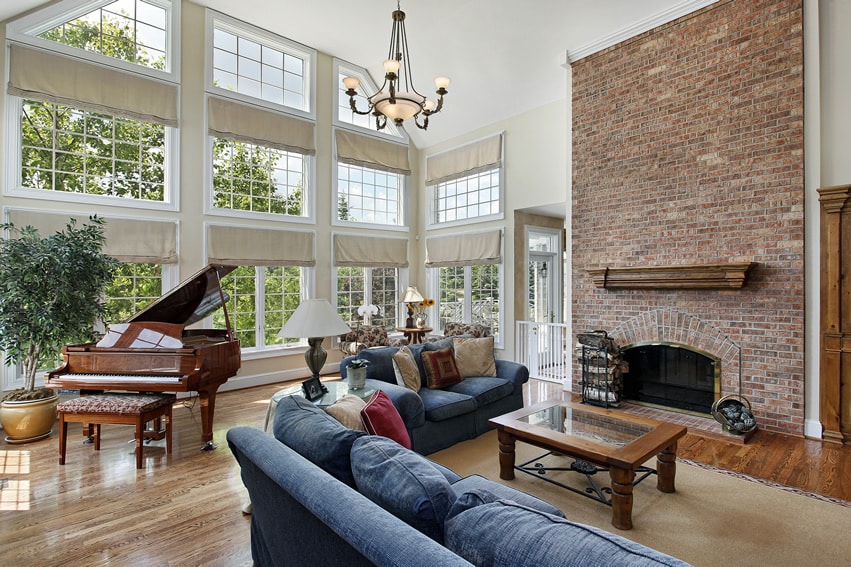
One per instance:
[(835, 328)]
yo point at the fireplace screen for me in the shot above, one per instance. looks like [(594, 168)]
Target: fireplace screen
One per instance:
[(672, 376)]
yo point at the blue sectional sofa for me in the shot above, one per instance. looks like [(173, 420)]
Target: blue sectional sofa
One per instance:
[(437, 419), (327, 495)]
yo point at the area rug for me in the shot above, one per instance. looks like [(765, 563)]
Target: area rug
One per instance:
[(712, 519)]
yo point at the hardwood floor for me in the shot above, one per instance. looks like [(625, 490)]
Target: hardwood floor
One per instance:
[(185, 509)]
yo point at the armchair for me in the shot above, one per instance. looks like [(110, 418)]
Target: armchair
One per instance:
[(368, 336)]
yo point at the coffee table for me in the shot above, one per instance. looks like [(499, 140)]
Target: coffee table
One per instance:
[(600, 439)]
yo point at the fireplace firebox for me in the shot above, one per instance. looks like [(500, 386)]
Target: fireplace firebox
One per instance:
[(673, 376)]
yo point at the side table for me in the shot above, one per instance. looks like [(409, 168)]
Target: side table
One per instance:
[(414, 334), (336, 390)]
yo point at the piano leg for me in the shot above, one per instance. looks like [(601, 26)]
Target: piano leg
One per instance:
[(207, 397)]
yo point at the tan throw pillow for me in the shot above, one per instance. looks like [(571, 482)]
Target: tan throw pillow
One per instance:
[(440, 368), (405, 367), (346, 410), (474, 357)]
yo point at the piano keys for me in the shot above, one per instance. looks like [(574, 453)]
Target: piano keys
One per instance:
[(207, 359)]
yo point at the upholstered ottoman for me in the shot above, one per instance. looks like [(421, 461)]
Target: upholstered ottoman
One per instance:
[(131, 409)]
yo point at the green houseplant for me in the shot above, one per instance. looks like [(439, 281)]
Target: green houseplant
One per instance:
[(51, 291), (356, 373)]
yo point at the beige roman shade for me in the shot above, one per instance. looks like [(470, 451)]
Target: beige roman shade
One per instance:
[(240, 246), (370, 251), (128, 240), (463, 161), (367, 151), (465, 249), (255, 125), (49, 77)]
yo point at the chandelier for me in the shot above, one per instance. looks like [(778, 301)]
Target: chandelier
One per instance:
[(397, 99)]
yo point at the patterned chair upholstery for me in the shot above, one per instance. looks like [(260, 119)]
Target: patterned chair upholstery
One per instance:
[(368, 336), (453, 328)]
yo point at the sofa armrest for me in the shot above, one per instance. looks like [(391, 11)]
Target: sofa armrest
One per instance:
[(408, 403), (302, 515), (513, 371)]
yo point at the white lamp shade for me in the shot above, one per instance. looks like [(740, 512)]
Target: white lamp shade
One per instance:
[(404, 107), (442, 82), (412, 295), (351, 83), (314, 318)]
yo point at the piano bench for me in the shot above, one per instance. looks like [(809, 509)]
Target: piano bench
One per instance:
[(128, 409)]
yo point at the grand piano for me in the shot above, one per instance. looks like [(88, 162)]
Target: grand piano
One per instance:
[(198, 360)]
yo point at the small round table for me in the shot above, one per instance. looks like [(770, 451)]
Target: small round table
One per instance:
[(414, 334), (336, 390)]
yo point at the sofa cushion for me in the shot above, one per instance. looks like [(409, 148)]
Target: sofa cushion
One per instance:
[(316, 436), (474, 357), (380, 417), (493, 531), (346, 410), (484, 390), (476, 483), (444, 404), (440, 368), (404, 483), (406, 369)]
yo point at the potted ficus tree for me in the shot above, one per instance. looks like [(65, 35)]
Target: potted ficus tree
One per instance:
[(51, 294)]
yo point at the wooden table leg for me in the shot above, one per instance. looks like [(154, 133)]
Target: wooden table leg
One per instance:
[(506, 455), (622, 485), (666, 468)]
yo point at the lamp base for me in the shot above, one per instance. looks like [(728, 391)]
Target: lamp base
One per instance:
[(315, 356)]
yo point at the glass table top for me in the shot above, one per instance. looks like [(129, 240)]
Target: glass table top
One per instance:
[(577, 422)]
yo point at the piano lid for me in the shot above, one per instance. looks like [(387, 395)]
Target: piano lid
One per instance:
[(191, 301)]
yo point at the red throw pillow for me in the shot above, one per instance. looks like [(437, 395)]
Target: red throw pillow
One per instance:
[(440, 368), (380, 417)]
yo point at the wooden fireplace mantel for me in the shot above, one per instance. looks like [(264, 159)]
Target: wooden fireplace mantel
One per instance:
[(695, 276)]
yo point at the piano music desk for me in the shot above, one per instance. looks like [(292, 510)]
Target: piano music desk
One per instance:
[(130, 409)]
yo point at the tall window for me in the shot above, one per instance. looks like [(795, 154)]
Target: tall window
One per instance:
[(368, 286), (465, 183), (367, 195), (470, 294), (259, 65), (470, 197), (260, 301), (131, 30), (250, 177), (68, 150), (133, 287)]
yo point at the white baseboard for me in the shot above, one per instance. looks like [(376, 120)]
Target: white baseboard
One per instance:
[(812, 429)]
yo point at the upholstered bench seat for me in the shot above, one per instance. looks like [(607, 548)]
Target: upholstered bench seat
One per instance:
[(131, 409)]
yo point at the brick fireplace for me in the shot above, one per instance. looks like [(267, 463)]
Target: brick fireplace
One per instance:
[(688, 152)]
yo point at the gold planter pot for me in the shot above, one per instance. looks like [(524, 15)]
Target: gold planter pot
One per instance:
[(28, 420)]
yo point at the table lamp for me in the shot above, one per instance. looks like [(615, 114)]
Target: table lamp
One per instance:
[(411, 295), (314, 319)]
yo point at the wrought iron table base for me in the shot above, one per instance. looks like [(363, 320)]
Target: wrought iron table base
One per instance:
[(535, 468)]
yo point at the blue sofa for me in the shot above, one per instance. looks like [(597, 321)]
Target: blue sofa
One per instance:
[(327, 495), (437, 419)]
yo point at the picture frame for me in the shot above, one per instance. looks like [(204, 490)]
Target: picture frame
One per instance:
[(313, 389)]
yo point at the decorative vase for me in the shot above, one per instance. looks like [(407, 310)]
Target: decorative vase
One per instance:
[(356, 377), (28, 420), (421, 320)]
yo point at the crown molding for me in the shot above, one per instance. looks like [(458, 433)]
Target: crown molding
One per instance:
[(677, 11)]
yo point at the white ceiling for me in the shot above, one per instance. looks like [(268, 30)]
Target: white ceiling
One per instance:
[(504, 57)]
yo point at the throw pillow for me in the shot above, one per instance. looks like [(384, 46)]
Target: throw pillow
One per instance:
[(404, 483), (380, 417), (474, 357), (440, 368), (485, 531), (316, 436), (405, 367), (346, 410)]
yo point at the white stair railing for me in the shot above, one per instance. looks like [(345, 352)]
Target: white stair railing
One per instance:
[(544, 348)]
